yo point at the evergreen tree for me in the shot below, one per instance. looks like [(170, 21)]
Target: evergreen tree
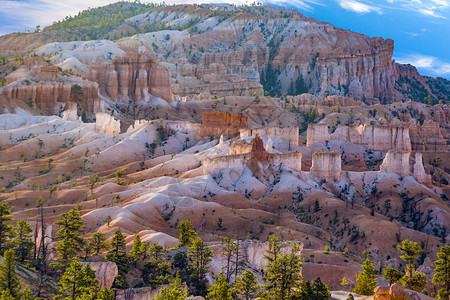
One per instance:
[(187, 235), (409, 251), (23, 242), (78, 283), (366, 281), (27, 294), (283, 276), (6, 231), (97, 242), (136, 253), (106, 294), (65, 255), (246, 286), (321, 291), (6, 295), (442, 272), (220, 290), (71, 227), (229, 248), (176, 291), (392, 275), (117, 254), (8, 278), (156, 269), (199, 255)]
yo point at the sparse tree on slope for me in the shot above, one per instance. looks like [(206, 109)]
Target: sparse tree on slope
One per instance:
[(442, 275), (366, 281), (23, 242), (199, 255), (97, 242), (187, 235), (176, 291), (78, 283), (137, 252), (412, 279), (6, 231)]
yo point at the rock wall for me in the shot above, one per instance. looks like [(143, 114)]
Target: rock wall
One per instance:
[(105, 272), (419, 171), (429, 137), (288, 133), (46, 95), (107, 124), (380, 138), (327, 165), (225, 119), (133, 77), (396, 162)]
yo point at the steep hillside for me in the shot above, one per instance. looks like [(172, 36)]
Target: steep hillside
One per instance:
[(229, 50)]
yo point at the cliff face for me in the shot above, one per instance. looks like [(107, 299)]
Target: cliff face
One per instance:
[(380, 138), (396, 162), (327, 165), (132, 77)]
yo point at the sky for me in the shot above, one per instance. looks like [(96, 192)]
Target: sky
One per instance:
[(419, 28)]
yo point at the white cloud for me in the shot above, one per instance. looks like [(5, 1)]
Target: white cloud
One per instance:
[(431, 8), (431, 64), (359, 7)]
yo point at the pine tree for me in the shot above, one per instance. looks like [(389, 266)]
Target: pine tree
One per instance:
[(65, 254), (106, 294), (366, 281), (220, 290), (176, 291), (199, 255), (23, 242), (187, 235), (392, 275), (97, 242), (410, 250), (27, 294), (8, 278), (78, 283), (442, 275), (246, 286), (283, 276), (228, 250), (156, 270), (71, 227), (6, 231), (321, 291), (117, 245), (136, 253)]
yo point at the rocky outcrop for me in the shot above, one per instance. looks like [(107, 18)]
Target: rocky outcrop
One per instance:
[(380, 138), (105, 272), (107, 124), (394, 292), (396, 162), (288, 133), (327, 165), (222, 123), (419, 171), (46, 95), (257, 155), (134, 77)]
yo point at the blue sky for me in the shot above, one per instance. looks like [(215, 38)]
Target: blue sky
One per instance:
[(420, 28)]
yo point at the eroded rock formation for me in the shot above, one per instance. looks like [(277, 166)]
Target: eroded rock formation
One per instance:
[(380, 138), (134, 77), (396, 162), (107, 124), (106, 272), (394, 292), (419, 171), (327, 165), (429, 137), (258, 154), (288, 133)]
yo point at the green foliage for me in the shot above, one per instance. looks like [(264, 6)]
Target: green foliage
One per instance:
[(66, 252), (442, 269), (136, 253), (409, 250), (6, 231), (106, 294), (392, 275), (187, 235), (316, 291), (199, 255), (366, 281), (78, 283), (95, 23), (71, 227), (220, 290), (246, 286), (9, 281), (23, 242), (97, 242), (156, 268), (283, 270), (416, 282), (117, 254), (27, 294), (176, 291)]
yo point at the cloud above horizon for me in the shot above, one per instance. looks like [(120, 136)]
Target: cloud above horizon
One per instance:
[(358, 7), (429, 63)]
